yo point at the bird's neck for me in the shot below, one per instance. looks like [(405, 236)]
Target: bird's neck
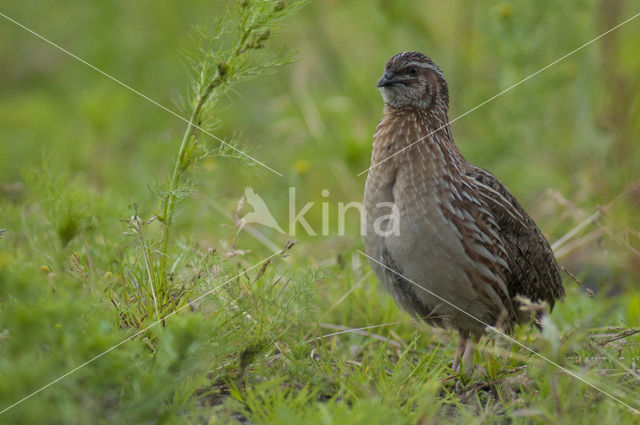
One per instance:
[(421, 134)]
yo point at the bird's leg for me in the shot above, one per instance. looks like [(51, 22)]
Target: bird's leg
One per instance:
[(467, 357), (463, 338)]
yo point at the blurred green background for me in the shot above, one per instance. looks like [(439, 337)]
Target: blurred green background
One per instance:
[(566, 142)]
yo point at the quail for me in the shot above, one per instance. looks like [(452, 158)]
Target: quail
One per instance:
[(458, 250)]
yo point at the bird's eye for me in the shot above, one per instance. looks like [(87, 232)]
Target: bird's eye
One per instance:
[(413, 70)]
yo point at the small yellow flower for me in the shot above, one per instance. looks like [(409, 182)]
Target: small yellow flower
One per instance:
[(505, 10), (302, 166), (45, 269)]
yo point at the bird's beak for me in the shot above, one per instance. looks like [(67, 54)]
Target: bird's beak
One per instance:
[(387, 80)]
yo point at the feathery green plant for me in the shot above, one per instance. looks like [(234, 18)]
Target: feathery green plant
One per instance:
[(235, 49)]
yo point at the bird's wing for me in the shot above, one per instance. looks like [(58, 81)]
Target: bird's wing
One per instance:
[(480, 237), (534, 272)]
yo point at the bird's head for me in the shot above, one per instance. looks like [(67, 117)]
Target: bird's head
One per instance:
[(412, 81)]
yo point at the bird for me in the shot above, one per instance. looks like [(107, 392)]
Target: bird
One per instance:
[(458, 251)]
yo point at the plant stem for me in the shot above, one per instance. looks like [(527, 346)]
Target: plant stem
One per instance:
[(179, 167), (180, 164), (147, 264)]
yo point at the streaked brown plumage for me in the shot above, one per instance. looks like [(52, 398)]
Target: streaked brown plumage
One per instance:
[(460, 233)]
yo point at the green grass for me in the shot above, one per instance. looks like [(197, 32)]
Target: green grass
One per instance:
[(84, 166)]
